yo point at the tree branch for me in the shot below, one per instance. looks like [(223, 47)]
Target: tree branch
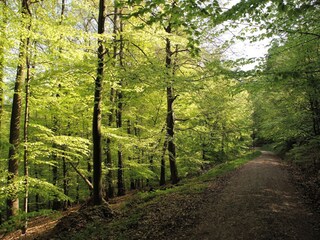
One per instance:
[(82, 176)]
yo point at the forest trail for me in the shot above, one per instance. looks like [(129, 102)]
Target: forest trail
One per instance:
[(258, 202)]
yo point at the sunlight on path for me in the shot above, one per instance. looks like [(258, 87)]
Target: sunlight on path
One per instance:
[(259, 202)]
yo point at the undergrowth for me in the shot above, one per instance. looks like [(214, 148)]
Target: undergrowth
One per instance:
[(133, 210)]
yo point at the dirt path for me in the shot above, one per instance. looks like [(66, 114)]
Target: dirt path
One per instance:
[(256, 202), (259, 202)]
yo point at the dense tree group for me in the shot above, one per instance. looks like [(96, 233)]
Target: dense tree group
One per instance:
[(98, 97)]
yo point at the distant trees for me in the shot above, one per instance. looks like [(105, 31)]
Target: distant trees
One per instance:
[(160, 99), (286, 89), (289, 111)]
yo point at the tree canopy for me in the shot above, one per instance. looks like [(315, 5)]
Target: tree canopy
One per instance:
[(165, 102)]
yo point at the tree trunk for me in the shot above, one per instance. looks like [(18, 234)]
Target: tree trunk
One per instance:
[(163, 163), (13, 163), (65, 181), (55, 202), (96, 122), (170, 113), (55, 176), (25, 137), (78, 191), (121, 185), (110, 187), (132, 185), (3, 33), (89, 169), (109, 163), (37, 197)]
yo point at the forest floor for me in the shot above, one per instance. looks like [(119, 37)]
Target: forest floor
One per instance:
[(259, 200)]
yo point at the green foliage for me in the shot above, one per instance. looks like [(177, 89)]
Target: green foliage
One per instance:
[(46, 190), (213, 119), (228, 166), (306, 154), (191, 186), (17, 222), (286, 96)]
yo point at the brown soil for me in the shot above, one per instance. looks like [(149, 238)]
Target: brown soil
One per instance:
[(259, 202)]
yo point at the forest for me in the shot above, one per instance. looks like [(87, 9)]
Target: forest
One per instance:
[(99, 98)]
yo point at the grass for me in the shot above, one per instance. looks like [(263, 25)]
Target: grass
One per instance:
[(190, 186), (133, 209), (229, 166)]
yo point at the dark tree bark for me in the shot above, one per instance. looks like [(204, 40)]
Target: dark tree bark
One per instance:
[(78, 190), (65, 181), (89, 169), (96, 122), (37, 197), (132, 184), (3, 33), (25, 138), (163, 163), (85, 179), (121, 184), (109, 177), (56, 205), (109, 162), (170, 113), (13, 163)]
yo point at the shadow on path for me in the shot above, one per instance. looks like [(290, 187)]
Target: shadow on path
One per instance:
[(259, 202)]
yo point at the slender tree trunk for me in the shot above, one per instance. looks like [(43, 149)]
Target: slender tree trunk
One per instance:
[(109, 163), (170, 113), (110, 187), (78, 190), (96, 123), (163, 163), (55, 202), (25, 137), (132, 185), (13, 164), (37, 197), (121, 185), (3, 33), (56, 205), (55, 173), (89, 169), (65, 181)]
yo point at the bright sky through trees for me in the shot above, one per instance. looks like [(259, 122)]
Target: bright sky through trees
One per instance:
[(243, 48)]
